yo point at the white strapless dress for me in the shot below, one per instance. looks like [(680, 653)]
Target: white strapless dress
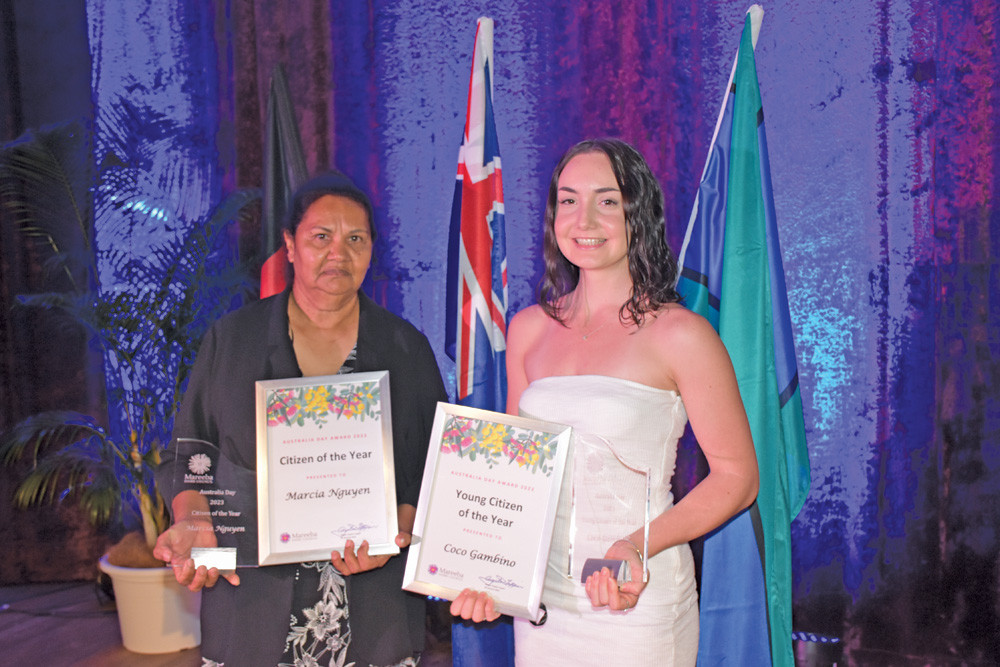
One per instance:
[(618, 425)]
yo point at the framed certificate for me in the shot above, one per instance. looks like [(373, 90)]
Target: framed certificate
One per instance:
[(487, 507), (325, 470)]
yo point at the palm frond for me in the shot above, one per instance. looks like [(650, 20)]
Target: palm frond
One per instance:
[(73, 475), (101, 499), (79, 307), (39, 173), (66, 470), (41, 432)]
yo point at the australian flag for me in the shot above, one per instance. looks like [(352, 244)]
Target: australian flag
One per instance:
[(477, 302), (477, 253)]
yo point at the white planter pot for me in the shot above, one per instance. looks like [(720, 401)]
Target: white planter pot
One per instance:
[(155, 613)]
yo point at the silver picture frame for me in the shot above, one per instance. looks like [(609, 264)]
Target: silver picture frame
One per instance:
[(487, 507), (325, 470)]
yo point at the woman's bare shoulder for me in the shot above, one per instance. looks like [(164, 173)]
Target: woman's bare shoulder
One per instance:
[(673, 319), (691, 348), (529, 319), (683, 331), (532, 312)]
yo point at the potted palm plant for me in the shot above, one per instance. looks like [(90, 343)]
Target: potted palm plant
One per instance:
[(147, 331)]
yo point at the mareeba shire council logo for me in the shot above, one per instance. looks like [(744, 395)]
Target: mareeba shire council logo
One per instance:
[(199, 464)]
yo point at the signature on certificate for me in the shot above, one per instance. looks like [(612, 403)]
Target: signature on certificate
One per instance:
[(352, 530), (498, 583)]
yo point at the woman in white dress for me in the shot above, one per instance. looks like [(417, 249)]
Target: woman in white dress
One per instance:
[(610, 351)]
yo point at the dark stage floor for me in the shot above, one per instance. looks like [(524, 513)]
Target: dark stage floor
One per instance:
[(75, 624), (53, 625)]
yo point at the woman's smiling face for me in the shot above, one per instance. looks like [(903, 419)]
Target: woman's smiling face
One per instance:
[(590, 214)]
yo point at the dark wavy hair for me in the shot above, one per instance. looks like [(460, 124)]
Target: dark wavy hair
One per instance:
[(651, 264)]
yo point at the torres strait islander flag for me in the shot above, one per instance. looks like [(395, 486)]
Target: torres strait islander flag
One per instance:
[(477, 252), (731, 273), (477, 303)]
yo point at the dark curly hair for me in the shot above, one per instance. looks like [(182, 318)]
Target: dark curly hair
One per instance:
[(651, 264)]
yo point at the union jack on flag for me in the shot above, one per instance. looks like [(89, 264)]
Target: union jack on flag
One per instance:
[(477, 252)]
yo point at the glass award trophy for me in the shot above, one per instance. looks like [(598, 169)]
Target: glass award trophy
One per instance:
[(611, 500), (230, 493)]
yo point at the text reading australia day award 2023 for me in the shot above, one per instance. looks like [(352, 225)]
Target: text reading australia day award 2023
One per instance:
[(325, 470), (487, 507)]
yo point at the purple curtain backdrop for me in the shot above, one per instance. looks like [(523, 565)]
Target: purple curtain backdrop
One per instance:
[(883, 124)]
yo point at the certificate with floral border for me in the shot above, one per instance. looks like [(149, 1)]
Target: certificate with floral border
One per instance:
[(325, 470), (487, 507)]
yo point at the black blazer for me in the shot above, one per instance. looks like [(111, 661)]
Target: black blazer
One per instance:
[(247, 625)]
